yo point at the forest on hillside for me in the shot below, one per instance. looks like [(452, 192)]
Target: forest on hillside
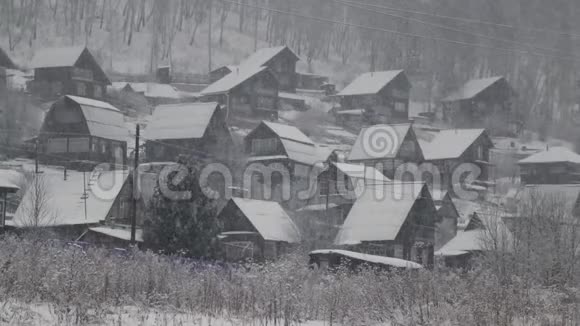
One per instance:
[(440, 43)]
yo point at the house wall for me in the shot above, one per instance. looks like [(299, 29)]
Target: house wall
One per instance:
[(550, 173), (446, 225), (50, 82), (284, 68)]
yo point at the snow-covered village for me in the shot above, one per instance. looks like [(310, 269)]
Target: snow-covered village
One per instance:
[(289, 162)]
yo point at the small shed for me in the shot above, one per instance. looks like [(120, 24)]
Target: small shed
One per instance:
[(392, 219), (256, 229), (192, 129), (555, 165), (80, 128), (483, 103), (382, 95), (68, 70)]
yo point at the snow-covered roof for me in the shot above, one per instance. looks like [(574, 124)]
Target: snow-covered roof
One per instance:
[(359, 171), (477, 239), (370, 83), (379, 213), (552, 155), (269, 219), (472, 88), (292, 96), (57, 57), (103, 119), (64, 204), (308, 154), (122, 233), (9, 180), (156, 90), (389, 261), (181, 121), (449, 143), (288, 132), (350, 112), (388, 139), (232, 80), (262, 56), (316, 207)]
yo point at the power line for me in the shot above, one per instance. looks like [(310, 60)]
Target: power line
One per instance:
[(469, 20), (346, 3), (324, 20)]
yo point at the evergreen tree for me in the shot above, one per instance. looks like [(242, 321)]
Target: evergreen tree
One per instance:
[(187, 226)]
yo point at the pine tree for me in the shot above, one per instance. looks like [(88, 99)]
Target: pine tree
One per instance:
[(188, 226)]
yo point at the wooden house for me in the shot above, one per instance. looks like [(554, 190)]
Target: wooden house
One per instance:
[(250, 92), (338, 187), (256, 229), (82, 129), (221, 72), (394, 220), (446, 228), (556, 165), (483, 103), (7, 186), (451, 149), (387, 147), (381, 97), (68, 71), (289, 150), (483, 232), (196, 130), (280, 60)]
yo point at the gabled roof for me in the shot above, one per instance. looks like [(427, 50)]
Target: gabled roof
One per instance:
[(359, 171), (156, 90), (269, 219), (181, 121), (288, 132), (63, 57), (64, 203), (103, 119), (380, 212), (5, 60), (262, 56), (232, 80), (8, 180), (449, 143), (472, 88), (477, 238), (379, 141), (552, 155), (370, 83)]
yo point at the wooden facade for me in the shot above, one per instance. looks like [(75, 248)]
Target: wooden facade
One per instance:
[(73, 130), (483, 103), (251, 95), (446, 228), (389, 104), (77, 74), (550, 173), (282, 62)]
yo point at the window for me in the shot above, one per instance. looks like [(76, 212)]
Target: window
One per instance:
[(400, 107), (479, 153), (81, 89), (103, 146), (98, 93), (56, 145), (264, 146), (323, 186)]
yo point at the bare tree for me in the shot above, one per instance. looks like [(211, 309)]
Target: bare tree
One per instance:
[(36, 209)]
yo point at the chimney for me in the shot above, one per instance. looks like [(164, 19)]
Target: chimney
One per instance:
[(164, 75)]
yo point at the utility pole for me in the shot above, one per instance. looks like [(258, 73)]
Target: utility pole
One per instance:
[(135, 189), (209, 37), (256, 16)]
